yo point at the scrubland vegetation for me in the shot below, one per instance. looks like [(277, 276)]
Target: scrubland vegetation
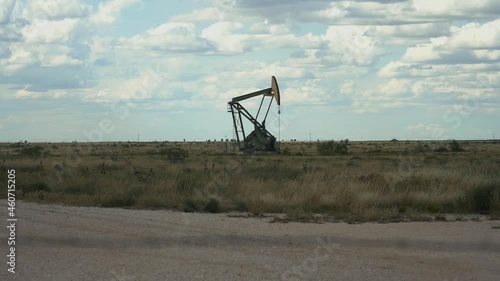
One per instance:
[(350, 181)]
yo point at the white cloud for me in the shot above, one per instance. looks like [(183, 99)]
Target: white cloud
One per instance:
[(37, 55), (408, 33), (395, 86), (339, 45), (431, 131), (476, 36), (175, 36), (48, 32), (456, 47), (26, 94), (349, 44), (55, 9), (109, 11), (420, 126), (331, 13), (6, 7), (58, 60), (308, 92), (453, 7), (423, 53), (221, 34), (230, 37), (347, 88), (21, 57), (403, 69), (201, 15), (142, 87)]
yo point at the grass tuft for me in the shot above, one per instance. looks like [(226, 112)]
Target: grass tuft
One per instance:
[(484, 199)]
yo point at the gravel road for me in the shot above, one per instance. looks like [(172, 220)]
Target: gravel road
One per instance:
[(56, 242)]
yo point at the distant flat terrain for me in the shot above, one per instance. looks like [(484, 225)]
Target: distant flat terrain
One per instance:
[(80, 243)]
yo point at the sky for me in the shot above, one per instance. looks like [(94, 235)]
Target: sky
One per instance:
[(90, 70)]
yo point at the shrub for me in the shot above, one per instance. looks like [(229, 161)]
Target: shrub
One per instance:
[(81, 188), (275, 172), (441, 149), (125, 197), (175, 154), (34, 152), (200, 205), (184, 184), (483, 199), (188, 181), (213, 206), (286, 151), (117, 201), (36, 187), (455, 146), (333, 148)]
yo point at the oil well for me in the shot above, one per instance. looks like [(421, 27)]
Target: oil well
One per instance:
[(259, 139)]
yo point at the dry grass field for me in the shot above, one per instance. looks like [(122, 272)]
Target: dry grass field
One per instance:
[(373, 181)]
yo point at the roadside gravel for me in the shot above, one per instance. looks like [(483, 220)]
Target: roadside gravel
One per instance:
[(80, 243)]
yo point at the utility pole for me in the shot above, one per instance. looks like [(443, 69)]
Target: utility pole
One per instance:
[(310, 139), (137, 137)]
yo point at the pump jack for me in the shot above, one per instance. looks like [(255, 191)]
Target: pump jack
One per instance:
[(260, 139)]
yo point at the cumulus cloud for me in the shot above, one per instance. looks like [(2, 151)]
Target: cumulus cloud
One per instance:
[(350, 45), (395, 86), (476, 36), (55, 9), (110, 10), (6, 8), (454, 7), (50, 44), (176, 36), (201, 15), (470, 43), (230, 37), (48, 32)]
